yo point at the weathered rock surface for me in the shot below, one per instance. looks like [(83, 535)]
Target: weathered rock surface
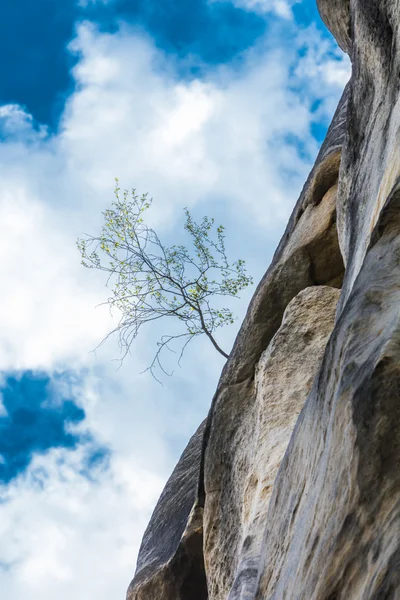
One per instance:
[(171, 563), (289, 273), (291, 489), (333, 526), (284, 376), (371, 157)]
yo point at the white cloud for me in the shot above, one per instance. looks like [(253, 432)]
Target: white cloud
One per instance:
[(15, 121), (47, 303), (181, 141), (73, 538), (322, 62), (282, 8), (218, 145), (187, 143)]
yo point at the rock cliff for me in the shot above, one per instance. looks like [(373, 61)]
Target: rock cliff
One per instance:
[(291, 487)]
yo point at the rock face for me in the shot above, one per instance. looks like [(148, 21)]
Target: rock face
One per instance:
[(291, 488), (283, 378), (171, 563)]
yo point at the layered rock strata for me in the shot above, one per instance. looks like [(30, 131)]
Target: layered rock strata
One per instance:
[(291, 488)]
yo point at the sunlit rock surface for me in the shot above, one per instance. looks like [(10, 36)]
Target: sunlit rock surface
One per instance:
[(283, 379), (291, 488)]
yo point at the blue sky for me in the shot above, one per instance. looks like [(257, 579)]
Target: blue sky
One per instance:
[(34, 37), (38, 417), (37, 73), (218, 106)]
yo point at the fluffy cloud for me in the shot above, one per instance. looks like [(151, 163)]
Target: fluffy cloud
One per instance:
[(47, 307), (282, 8), (64, 536), (235, 143), (221, 139)]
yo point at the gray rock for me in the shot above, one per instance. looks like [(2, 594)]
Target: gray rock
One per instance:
[(291, 489), (171, 563), (289, 273), (333, 526), (283, 379), (336, 16)]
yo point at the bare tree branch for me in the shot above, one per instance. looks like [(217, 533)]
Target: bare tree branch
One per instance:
[(151, 281)]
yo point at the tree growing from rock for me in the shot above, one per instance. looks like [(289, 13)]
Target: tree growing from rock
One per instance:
[(151, 281)]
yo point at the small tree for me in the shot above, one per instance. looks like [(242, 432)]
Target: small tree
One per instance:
[(152, 281)]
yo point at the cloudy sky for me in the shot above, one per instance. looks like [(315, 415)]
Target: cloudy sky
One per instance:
[(215, 105)]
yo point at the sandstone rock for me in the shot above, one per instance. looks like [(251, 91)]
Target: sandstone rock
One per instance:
[(289, 273), (371, 158), (278, 505), (171, 564), (226, 461), (336, 15), (283, 279), (333, 527), (235, 513)]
